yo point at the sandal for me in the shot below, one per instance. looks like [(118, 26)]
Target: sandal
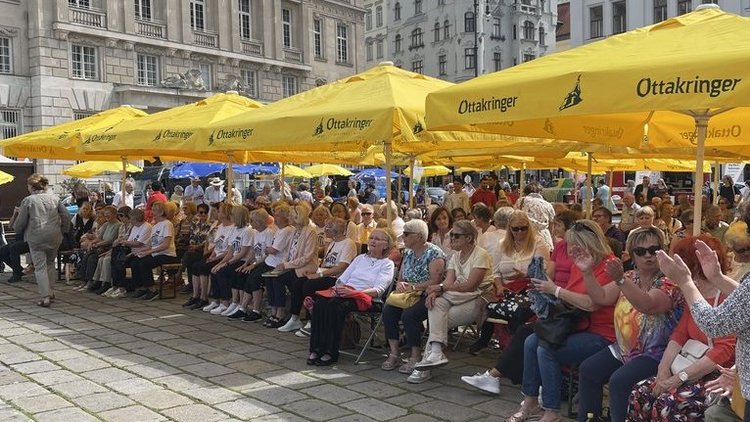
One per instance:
[(391, 363), (525, 414), (44, 302), (408, 367)]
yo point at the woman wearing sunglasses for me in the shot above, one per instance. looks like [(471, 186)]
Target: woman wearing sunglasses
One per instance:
[(541, 364), (647, 309)]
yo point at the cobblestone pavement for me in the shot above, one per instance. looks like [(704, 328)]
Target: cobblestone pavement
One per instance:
[(89, 358)]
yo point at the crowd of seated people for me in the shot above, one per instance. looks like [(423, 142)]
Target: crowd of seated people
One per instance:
[(431, 270)]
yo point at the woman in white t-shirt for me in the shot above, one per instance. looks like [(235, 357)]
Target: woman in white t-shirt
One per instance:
[(216, 248), (161, 251), (275, 255), (138, 240), (225, 272), (340, 210), (339, 254)]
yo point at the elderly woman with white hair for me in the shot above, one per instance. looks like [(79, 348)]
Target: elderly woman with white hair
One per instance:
[(366, 227), (422, 266)]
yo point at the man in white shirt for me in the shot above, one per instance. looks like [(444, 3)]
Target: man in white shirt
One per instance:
[(458, 198), (215, 192), (629, 207), (118, 202), (194, 192), (278, 193)]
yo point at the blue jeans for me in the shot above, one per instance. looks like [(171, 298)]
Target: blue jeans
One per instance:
[(602, 368), (541, 366)]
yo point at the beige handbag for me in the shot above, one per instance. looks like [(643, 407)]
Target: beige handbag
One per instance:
[(691, 351), (403, 300)]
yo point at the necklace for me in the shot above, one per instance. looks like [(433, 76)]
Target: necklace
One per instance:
[(637, 279), (461, 258), (371, 259)]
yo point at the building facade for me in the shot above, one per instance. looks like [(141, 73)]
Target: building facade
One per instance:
[(376, 31), (592, 20), (67, 59), (562, 35), (451, 40)]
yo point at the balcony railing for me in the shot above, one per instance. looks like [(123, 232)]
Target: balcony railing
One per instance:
[(89, 17), (253, 47), (205, 38), (293, 55), (525, 8), (153, 29)]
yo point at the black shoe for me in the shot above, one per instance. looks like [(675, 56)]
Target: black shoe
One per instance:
[(325, 362), (313, 360), (150, 296), (104, 288), (15, 278), (140, 293), (95, 286), (237, 315), (478, 345), (252, 317), (187, 289), (198, 305), (190, 302)]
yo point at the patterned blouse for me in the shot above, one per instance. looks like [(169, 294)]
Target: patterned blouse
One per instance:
[(416, 269), (199, 232)]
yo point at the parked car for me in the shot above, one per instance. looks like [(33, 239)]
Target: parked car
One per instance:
[(437, 194), (70, 204)]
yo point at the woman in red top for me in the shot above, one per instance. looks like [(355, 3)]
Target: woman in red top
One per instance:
[(156, 195), (681, 396), (542, 364)]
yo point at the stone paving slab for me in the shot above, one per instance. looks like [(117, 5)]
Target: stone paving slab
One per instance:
[(88, 358)]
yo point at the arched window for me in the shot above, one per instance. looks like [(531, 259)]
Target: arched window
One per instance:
[(379, 16), (416, 38), (528, 30), (398, 43), (397, 11), (446, 29), (437, 31), (469, 22)]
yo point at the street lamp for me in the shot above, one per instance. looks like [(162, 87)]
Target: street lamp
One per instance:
[(477, 33)]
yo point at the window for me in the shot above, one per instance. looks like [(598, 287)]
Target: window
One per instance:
[(318, 38), (596, 20), (289, 85), (143, 9), (84, 62), (417, 7), (6, 55), (397, 12), (416, 66), (368, 48), (446, 29), (379, 16), (541, 36), (441, 2), (496, 30), (442, 65), (245, 20), (197, 15), (515, 32), (10, 123), (497, 60), (250, 77), (469, 22), (416, 38), (379, 49), (528, 31), (148, 70), (437, 31), (207, 74), (660, 10), (397, 43), (368, 19), (619, 23), (342, 43), (78, 115), (527, 57), (286, 27), (684, 6), (83, 4), (470, 61)]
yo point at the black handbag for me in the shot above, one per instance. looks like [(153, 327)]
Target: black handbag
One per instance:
[(562, 321), (120, 256)]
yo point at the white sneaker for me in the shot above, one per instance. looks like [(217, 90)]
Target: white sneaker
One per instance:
[(230, 310), (109, 291), (291, 325), (483, 381), (118, 293), (418, 377), (210, 307), (433, 360), (218, 310), (304, 331)]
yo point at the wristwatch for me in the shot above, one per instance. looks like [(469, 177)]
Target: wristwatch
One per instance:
[(683, 376), (620, 282)]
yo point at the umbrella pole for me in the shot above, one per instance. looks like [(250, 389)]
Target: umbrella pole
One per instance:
[(124, 180), (609, 191), (411, 181), (388, 194), (283, 171), (716, 183), (522, 178), (230, 178), (589, 191), (701, 125)]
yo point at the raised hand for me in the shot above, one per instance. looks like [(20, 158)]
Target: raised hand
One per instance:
[(724, 384), (708, 259), (581, 258), (614, 269), (674, 268)]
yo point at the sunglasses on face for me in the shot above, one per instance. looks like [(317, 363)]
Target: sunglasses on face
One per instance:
[(202, 212), (519, 229), (741, 250), (641, 251), (366, 213), (457, 235)]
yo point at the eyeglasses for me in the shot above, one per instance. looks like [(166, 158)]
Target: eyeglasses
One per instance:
[(740, 250), (202, 212), (641, 251), (519, 229), (366, 213), (457, 235)]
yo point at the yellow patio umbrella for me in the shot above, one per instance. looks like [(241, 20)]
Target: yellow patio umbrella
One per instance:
[(59, 142), (429, 171), (6, 178), (665, 81), (289, 170), (327, 170), (95, 168)]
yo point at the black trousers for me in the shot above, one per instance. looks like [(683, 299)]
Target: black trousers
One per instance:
[(510, 363), (302, 287), (225, 280), (11, 255), (118, 273), (328, 318), (143, 275), (188, 259), (254, 279)]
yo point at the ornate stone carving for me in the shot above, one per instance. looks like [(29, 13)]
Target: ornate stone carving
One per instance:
[(320, 81), (110, 42), (61, 35), (129, 46), (234, 62), (8, 32), (171, 52), (191, 79), (222, 60), (185, 54), (233, 83)]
